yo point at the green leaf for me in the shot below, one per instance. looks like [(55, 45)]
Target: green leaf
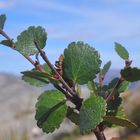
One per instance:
[(73, 116), (106, 67), (37, 78), (119, 121), (113, 82), (25, 41), (124, 86), (2, 21), (114, 103), (91, 113), (92, 86), (119, 112), (131, 74), (81, 63), (122, 52), (7, 43), (51, 110), (47, 68)]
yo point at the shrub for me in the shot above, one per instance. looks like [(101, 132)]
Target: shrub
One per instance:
[(79, 65)]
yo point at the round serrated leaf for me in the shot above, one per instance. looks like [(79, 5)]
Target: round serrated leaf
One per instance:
[(81, 62), (122, 52), (51, 110), (91, 113), (2, 21), (131, 74), (25, 41)]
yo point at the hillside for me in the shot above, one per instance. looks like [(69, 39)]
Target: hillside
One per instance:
[(17, 106)]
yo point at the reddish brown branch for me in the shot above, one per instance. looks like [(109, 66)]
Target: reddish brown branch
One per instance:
[(99, 134), (36, 65), (114, 89), (43, 55), (5, 35)]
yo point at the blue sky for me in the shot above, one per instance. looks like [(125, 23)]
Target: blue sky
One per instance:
[(97, 22)]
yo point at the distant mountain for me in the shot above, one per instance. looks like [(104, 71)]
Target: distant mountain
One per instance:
[(15, 96), (17, 107)]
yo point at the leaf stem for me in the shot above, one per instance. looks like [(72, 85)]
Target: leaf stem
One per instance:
[(37, 65), (43, 55)]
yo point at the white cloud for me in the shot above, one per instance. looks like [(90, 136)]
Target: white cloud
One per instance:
[(43, 6), (101, 23)]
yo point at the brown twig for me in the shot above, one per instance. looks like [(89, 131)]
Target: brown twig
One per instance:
[(7, 37), (29, 59), (114, 89), (4, 34), (121, 79), (71, 95), (43, 55), (99, 134), (68, 96), (36, 65), (128, 63)]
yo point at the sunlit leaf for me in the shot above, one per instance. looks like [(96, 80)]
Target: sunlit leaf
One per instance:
[(25, 41), (81, 62), (91, 113), (122, 52)]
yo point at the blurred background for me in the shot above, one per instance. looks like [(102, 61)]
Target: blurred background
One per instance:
[(97, 22)]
